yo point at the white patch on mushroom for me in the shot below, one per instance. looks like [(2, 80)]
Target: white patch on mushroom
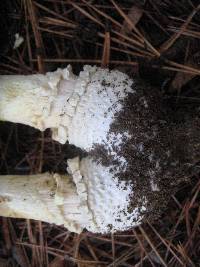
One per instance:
[(114, 145), (99, 186), (154, 186), (79, 109), (150, 157), (140, 147), (97, 106)]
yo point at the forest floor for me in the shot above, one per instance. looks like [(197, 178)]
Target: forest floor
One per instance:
[(153, 40)]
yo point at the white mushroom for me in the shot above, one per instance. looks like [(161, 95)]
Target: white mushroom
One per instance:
[(72, 106), (80, 110), (46, 197), (76, 201), (134, 158)]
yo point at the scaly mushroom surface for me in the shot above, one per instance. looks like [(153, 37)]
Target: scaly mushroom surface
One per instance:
[(136, 155), (76, 201), (79, 109)]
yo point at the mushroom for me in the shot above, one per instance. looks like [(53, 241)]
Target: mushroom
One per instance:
[(76, 201), (46, 197), (72, 106), (136, 154)]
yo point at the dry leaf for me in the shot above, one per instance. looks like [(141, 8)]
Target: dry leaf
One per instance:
[(57, 262), (182, 78), (134, 14)]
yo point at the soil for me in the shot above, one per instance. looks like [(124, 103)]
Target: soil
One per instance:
[(159, 153)]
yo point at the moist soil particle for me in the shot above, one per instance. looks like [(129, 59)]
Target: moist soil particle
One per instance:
[(159, 152)]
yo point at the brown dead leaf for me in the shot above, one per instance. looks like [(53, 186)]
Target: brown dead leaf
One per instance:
[(134, 14), (181, 78), (57, 262)]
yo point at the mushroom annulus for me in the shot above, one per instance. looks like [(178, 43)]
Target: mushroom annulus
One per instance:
[(136, 155)]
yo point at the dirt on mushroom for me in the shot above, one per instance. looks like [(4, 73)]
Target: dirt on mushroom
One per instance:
[(159, 151), (175, 236)]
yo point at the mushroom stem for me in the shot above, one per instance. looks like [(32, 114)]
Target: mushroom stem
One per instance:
[(79, 109), (23, 99), (37, 100), (75, 201), (47, 197)]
